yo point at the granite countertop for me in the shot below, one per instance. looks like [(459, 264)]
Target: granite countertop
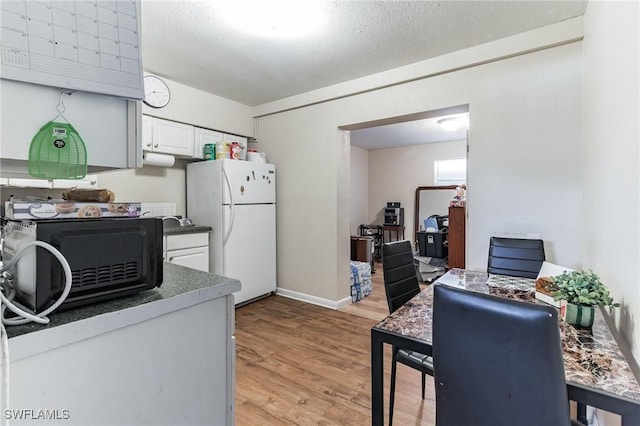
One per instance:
[(187, 230), (177, 280), (592, 358)]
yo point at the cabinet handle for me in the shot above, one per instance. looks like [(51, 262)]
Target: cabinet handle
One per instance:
[(155, 146), (171, 258)]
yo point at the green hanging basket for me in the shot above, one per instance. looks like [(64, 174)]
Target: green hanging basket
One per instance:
[(57, 152)]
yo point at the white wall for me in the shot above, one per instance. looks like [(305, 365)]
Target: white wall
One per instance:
[(524, 145), (397, 172), (610, 156), (359, 188), (525, 126), (193, 106), (149, 184)]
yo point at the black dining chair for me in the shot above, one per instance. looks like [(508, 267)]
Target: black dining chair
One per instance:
[(517, 257), (496, 361), (400, 285)]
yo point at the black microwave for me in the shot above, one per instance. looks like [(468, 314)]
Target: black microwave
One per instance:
[(108, 258)]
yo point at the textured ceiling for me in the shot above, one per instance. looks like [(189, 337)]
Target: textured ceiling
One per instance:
[(187, 41), (408, 133)]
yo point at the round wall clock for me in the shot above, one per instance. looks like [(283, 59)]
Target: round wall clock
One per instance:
[(156, 92)]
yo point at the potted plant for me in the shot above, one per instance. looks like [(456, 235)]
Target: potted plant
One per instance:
[(582, 290)]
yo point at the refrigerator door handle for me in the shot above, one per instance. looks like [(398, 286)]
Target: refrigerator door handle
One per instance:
[(231, 213)]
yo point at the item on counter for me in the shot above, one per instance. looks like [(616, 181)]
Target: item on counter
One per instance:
[(65, 207), (89, 195), (258, 157), (460, 199), (223, 152), (118, 207), (236, 151), (209, 151), (89, 211), (62, 209)]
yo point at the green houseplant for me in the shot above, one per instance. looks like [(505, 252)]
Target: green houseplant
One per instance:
[(582, 291)]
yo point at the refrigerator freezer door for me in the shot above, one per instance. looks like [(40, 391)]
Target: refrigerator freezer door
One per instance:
[(250, 182), (250, 252)]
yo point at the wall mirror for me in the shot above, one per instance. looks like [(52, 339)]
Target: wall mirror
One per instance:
[(431, 200)]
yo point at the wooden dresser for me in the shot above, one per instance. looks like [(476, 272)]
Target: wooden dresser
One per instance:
[(456, 237)]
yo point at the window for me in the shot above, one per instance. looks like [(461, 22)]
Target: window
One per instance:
[(450, 172)]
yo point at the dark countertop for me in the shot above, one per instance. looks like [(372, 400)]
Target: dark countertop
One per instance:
[(592, 357), (177, 280), (187, 230)]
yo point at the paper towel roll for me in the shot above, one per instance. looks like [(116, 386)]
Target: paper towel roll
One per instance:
[(155, 159)]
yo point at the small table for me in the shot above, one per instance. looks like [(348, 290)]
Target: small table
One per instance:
[(614, 389), (392, 228)]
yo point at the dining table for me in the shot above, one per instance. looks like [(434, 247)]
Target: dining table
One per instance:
[(597, 372)]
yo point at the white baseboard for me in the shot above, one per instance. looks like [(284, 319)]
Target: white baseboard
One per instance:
[(325, 303)]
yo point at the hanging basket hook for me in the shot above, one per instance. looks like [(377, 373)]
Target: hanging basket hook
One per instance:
[(60, 106)]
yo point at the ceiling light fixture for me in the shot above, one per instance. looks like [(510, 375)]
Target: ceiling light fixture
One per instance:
[(451, 124), (274, 19)]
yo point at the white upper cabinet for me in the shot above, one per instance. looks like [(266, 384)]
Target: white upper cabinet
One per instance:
[(167, 137), (205, 136)]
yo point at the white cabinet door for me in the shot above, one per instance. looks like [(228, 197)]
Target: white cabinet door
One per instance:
[(204, 136), (190, 250), (196, 258), (170, 137), (147, 133)]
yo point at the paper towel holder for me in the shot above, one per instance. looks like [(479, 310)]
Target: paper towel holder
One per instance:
[(157, 159)]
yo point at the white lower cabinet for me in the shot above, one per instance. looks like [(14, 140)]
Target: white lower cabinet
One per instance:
[(190, 250)]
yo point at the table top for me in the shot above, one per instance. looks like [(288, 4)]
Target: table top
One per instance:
[(592, 358)]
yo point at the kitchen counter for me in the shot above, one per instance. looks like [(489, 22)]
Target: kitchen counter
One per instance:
[(177, 281), (163, 356), (187, 230)]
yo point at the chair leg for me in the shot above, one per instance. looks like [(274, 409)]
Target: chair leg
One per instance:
[(423, 386), (582, 413), (392, 389)]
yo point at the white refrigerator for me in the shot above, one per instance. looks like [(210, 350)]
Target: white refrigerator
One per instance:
[(238, 200)]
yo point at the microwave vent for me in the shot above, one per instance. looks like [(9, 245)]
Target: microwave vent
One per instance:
[(105, 275)]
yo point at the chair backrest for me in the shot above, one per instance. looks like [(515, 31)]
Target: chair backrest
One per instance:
[(400, 280), (496, 361), (515, 256)]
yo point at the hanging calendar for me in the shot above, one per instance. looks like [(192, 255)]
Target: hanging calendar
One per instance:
[(92, 45)]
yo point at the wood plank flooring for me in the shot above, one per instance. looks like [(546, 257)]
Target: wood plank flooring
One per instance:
[(301, 364)]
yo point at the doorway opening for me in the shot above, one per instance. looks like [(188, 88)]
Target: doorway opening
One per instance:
[(389, 159)]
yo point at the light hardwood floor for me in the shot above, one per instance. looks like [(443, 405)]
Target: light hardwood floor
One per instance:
[(301, 364)]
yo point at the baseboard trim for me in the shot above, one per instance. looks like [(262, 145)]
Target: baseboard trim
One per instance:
[(315, 300)]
